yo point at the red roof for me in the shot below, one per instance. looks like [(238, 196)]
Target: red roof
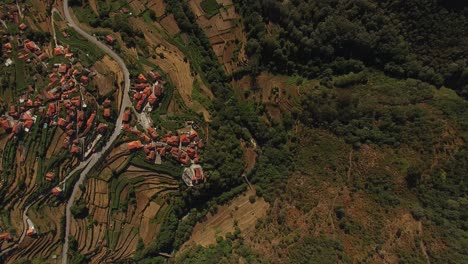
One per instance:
[(184, 139), (58, 51), (151, 155), (61, 122), (191, 152), (141, 78), (5, 236), (110, 39), (31, 232), (152, 132), (173, 140), (134, 145), (51, 110), (62, 68), (106, 112), (126, 116), (90, 121), (198, 174), (152, 99), (50, 176), (57, 191)]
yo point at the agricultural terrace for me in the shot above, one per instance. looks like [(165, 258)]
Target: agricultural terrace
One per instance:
[(148, 39), (51, 117), (221, 24), (121, 207)]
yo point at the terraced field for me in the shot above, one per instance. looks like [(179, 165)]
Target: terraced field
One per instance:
[(126, 204), (25, 162)]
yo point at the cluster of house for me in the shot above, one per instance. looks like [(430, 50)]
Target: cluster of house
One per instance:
[(183, 147), (62, 100), (145, 93)]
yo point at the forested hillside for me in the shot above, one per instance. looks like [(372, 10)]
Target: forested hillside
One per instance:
[(366, 160), (421, 39)]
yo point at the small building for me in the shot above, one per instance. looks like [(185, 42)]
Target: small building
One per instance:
[(109, 39), (134, 145), (57, 191), (5, 237), (50, 176), (141, 78), (107, 112), (193, 175), (126, 116)]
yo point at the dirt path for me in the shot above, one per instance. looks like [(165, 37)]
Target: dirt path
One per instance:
[(94, 6), (421, 243)]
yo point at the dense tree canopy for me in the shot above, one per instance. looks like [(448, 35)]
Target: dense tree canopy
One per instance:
[(419, 39)]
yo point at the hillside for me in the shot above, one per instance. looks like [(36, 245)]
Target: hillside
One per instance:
[(234, 131)]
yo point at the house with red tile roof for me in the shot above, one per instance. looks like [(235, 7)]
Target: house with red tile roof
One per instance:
[(173, 141), (152, 99), (126, 116), (141, 78), (50, 176), (5, 237), (109, 39), (151, 156), (106, 112), (152, 132), (134, 145), (22, 26), (58, 51), (63, 68), (57, 191)]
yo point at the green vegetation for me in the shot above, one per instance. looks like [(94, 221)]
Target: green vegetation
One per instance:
[(309, 38), (211, 7), (229, 250)]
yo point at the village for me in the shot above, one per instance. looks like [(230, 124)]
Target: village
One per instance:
[(64, 102)]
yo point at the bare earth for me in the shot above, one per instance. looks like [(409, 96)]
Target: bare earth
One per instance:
[(240, 210)]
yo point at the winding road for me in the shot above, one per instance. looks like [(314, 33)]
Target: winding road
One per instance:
[(87, 165), (126, 102)]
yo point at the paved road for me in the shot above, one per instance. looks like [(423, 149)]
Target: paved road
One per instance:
[(88, 164), (126, 102)]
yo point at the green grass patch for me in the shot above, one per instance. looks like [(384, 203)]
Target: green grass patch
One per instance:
[(199, 95), (211, 7)]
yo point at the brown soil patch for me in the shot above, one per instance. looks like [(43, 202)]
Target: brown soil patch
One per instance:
[(106, 72), (158, 6), (137, 7), (250, 155), (196, 9), (56, 143), (240, 210), (224, 2), (170, 25), (229, 13)]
